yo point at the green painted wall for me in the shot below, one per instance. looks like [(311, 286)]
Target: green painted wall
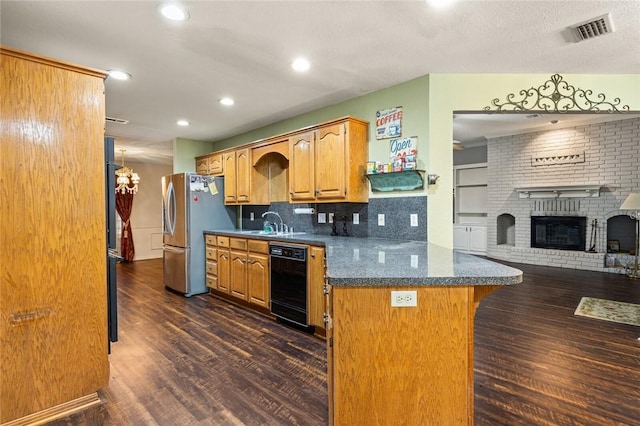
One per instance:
[(185, 151)]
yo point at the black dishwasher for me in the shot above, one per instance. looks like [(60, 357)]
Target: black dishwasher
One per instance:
[(289, 283)]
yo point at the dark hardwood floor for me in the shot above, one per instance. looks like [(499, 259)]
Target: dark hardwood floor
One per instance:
[(203, 361)]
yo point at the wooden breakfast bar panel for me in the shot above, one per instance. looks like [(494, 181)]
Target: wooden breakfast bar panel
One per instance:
[(402, 365)]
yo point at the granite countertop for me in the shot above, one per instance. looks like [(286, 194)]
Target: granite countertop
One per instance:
[(355, 261)]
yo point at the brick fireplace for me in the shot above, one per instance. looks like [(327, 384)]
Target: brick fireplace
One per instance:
[(584, 171)]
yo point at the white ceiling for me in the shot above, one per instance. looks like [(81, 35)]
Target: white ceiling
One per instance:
[(243, 49)]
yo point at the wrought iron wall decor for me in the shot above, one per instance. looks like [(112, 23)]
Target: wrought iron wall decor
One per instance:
[(556, 95)]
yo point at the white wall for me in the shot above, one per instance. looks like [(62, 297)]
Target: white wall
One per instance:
[(146, 216)]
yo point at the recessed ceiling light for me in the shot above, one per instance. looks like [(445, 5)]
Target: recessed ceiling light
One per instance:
[(183, 123), (226, 101), (174, 11), (119, 75), (300, 65), (440, 3)]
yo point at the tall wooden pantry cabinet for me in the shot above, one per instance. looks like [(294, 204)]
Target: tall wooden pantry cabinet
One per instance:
[(53, 263)]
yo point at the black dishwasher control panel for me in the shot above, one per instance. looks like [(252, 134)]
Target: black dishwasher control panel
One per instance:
[(288, 252)]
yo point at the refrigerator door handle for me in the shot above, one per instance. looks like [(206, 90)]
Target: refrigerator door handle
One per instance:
[(170, 209), (176, 250)]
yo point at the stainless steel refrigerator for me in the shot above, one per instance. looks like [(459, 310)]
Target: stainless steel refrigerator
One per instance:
[(190, 204)]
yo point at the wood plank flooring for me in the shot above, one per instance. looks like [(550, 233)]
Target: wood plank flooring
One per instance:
[(203, 361)]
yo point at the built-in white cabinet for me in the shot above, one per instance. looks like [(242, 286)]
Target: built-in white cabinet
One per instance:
[(470, 193), (470, 239)]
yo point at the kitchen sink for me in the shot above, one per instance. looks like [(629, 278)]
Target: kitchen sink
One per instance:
[(260, 232)]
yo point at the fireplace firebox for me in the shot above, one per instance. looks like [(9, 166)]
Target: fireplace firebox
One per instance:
[(559, 232)]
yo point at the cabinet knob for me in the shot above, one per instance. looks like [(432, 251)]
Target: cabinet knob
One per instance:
[(313, 255)]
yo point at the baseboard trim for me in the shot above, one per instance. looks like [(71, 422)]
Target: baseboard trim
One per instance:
[(57, 412)]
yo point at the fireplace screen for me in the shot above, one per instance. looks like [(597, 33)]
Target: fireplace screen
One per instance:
[(559, 232)]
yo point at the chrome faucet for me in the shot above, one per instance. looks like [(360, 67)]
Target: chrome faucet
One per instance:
[(283, 227)]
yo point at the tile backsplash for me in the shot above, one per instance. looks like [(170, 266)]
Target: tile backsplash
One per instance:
[(396, 213)]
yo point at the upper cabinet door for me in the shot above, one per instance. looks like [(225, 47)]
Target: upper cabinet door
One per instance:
[(230, 194), (331, 162), (216, 166), (243, 175), (301, 169)]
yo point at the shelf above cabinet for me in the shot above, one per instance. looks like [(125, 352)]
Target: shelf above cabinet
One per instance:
[(406, 180)]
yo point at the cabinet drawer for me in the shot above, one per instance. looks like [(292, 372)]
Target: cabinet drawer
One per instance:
[(258, 246), (212, 281), (223, 241), (210, 240), (212, 267), (212, 253), (238, 243)]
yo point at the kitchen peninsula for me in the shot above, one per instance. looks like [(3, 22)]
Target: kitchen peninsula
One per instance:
[(398, 364)]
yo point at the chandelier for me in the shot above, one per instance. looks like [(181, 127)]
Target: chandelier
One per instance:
[(127, 180)]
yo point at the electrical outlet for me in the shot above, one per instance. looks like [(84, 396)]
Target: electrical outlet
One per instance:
[(322, 218), (330, 217), (251, 216), (404, 298), (414, 260), (414, 219), (356, 218), (380, 257), (381, 219)]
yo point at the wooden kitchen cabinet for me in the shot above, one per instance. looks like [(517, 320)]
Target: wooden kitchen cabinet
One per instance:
[(258, 273), (210, 164), (238, 271), (237, 174), (216, 165), (211, 259), (316, 267), (238, 268), (320, 163), (327, 164), (202, 165), (224, 264), (243, 270), (53, 273), (269, 175)]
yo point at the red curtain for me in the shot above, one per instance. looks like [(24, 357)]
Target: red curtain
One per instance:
[(124, 204)]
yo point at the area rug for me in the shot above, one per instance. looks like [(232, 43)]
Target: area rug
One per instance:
[(609, 310)]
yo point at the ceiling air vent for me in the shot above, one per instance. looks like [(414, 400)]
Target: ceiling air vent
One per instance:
[(593, 27), (115, 120)]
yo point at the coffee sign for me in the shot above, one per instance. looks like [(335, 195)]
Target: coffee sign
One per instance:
[(389, 123)]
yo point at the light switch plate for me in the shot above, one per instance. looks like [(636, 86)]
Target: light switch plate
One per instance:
[(330, 217), (251, 216), (414, 219), (356, 218), (381, 219), (322, 218)]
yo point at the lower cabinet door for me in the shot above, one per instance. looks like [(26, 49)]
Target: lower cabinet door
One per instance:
[(238, 270), (258, 278)]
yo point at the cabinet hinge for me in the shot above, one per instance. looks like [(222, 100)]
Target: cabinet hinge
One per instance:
[(325, 318), (331, 341), (325, 288)]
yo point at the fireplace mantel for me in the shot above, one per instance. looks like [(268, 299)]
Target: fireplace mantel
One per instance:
[(561, 191)]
